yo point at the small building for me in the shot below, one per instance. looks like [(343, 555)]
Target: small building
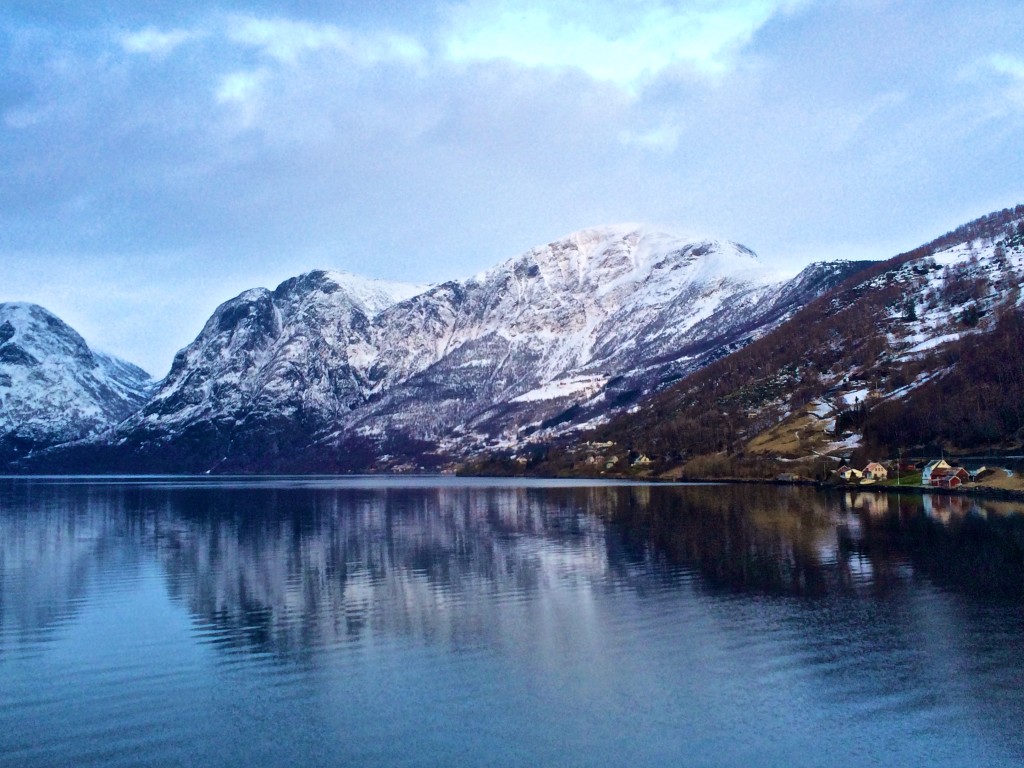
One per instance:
[(875, 471), (947, 481), (951, 477), (849, 474), (930, 467)]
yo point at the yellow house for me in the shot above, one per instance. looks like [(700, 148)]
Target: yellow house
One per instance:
[(849, 473)]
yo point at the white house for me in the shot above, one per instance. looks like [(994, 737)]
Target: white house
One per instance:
[(931, 466)]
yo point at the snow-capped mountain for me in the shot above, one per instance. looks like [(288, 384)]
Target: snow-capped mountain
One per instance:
[(53, 388), (590, 322), (269, 370), (921, 353), (328, 371)]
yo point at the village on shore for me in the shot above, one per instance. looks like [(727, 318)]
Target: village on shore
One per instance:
[(933, 473)]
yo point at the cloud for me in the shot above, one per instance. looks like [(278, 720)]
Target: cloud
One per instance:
[(242, 90), (1005, 64), (996, 81), (1011, 72), (287, 40), (155, 42), (621, 43), (664, 138)]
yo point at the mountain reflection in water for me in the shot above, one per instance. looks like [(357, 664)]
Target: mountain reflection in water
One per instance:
[(289, 569), (304, 573)]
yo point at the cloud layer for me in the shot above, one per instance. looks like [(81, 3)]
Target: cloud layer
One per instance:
[(173, 154), (623, 43)]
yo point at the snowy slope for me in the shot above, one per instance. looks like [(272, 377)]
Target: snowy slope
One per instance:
[(942, 296), (53, 388), (370, 295), (945, 294), (949, 294), (597, 304)]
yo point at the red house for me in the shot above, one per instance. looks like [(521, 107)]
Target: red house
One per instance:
[(953, 477)]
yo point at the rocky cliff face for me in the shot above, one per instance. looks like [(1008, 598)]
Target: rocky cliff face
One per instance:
[(53, 388), (268, 371)]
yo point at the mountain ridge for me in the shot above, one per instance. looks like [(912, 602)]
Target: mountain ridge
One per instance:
[(315, 376)]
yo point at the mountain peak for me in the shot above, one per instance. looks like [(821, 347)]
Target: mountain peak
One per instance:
[(40, 333), (53, 388), (371, 295)]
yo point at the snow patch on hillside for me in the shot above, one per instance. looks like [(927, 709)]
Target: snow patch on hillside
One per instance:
[(586, 385)]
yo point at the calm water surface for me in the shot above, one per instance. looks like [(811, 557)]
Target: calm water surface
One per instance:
[(432, 622)]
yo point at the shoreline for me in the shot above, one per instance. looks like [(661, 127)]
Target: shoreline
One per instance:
[(1006, 494)]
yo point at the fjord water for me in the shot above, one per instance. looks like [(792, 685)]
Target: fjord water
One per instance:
[(435, 622)]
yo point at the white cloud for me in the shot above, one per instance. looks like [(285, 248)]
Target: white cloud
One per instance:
[(1005, 64), (617, 42), (286, 41), (1001, 80), (242, 90), (1012, 70), (664, 138), (154, 42)]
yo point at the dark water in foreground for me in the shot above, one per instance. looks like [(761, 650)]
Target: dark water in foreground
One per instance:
[(442, 623)]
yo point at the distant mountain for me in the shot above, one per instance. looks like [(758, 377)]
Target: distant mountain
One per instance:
[(329, 372), (53, 388), (924, 352)]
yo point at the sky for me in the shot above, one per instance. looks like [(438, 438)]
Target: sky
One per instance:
[(158, 157)]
